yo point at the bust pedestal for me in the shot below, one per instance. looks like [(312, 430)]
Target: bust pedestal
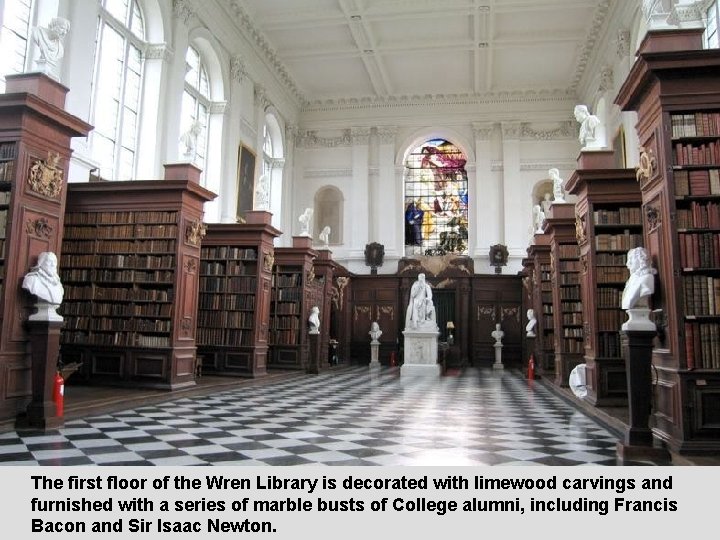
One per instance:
[(498, 356), (421, 352), (44, 349), (374, 354), (313, 366)]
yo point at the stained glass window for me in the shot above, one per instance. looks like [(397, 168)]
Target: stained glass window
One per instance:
[(436, 199)]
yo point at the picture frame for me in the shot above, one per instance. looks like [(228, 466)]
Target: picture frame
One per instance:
[(246, 181)]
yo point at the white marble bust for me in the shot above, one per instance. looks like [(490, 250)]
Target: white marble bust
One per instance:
[(588, 125), (324, 235), (497, 334), (43, 280), (375, 332), (538, 219), (532, 323), (305, 219), (558, 191), (50, 43), (188, 141), (641, 283), (314, 320)]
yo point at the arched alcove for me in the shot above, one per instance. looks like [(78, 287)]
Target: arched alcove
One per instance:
[(329, 206)]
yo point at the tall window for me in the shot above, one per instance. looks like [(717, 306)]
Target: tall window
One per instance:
[(267, 151), (436, 199), (118, 76), (14, 38), (196, 103), (712, 40)]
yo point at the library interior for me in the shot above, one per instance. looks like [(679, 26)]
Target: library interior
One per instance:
[(263, 232)]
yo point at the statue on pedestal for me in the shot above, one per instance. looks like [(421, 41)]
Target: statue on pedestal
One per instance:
[(375, 332), (638, 289), (50, 43), (43, 281), (532, 322), (558, 191), (304, 220), (588, 125), (420, 311)]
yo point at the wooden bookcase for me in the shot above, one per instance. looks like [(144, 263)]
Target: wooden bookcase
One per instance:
[(290, 304), (608, 224), (130, 265), (567, 302), (35, 137), (541, 285), (675, 88), (236, 263), (324, 270)]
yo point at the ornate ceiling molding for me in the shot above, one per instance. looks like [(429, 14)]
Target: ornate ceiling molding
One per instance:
[(261, 98), (252, 33), (545, 165), (483, 130), (158, 51), (589, 46), (238, 68), (428, 100), (511, 130), (360, 135), (387, 134), (310, 139)]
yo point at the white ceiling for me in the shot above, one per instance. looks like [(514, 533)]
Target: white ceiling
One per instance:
[(355, 49)]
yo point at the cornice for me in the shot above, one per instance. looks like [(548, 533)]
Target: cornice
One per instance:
[(387, 134), (589, 46), (159, 51), (238, 68), (327, 173), (483, 130), (310, 139), (253, 34), (565, 130)]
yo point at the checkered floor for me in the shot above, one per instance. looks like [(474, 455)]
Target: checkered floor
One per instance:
[(354, 416)]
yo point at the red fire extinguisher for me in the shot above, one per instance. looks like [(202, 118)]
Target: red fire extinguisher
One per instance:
[(59, 394), (531, 367)]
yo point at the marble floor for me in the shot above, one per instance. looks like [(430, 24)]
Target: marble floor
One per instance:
[(352, 416)]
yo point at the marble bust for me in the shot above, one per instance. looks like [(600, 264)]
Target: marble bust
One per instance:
[(538, 219), (314, 320), (43, 280), (588, 125), (324, 235), (641, 283), (50, 43), (375, 332), (558, 191), (532, 323), (497, 334), (304, 220)]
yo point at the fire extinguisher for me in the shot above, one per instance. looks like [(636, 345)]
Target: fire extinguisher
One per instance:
[(59, 394), (393, 362), (531, 367)]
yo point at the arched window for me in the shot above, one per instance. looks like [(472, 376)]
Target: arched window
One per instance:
[(436, 199), (117, 81), (267, 150), (196, 103), (14, 39)]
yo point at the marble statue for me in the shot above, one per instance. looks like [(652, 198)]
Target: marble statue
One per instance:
[(588, 125), (538, 219), (641, 283), (325, 235), (304, 220), (314, 320), (43, 280), (50, 43), (188, 141), (375, 332), (532, 323), (497, 334), (558, 191), (546, 203), (421, 310)]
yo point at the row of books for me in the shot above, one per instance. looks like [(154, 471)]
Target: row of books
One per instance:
[(3, 223), (621, 216), (701, 182), (699, 250), (610, 259), (612, 274), (231, 268), (284, 337), (119, 218), (569, 307), (609, 345), (287, 295), (120, 231), (286, 280), (285, 323), (614, 242), (136, 246), (699, 216), (219, 337), (125, 339), (7, 171), (573, 346), (569, 266), (228, 252), (568, 251), (702, 295), (149, 262), (698, 124), (227, 301), (609, 320), (608, 297), (572, 278), (701, 154), (231, 285), (226, 319), (572, 319), (102, 309), (570, 293), (702, 345)]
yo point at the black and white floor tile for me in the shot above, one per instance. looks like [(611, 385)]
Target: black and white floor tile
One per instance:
[(354, 416)]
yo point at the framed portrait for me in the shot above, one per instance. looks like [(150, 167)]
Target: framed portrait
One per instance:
[(246, 181)]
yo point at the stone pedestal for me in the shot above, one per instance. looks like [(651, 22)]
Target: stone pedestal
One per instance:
[(374, 354), (421, 353), (498, 356), (44, 349), (639, 320), (313, 365), (638, 441)]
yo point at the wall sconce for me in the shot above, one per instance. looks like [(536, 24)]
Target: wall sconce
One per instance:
[(450, 327)]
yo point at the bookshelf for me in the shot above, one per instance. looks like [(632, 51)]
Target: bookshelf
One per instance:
[(290, 304), (236, 263), (130, 265), (608, 223), (542, 283), (567, 302), (679, 138), (34, 159), (324, 270)]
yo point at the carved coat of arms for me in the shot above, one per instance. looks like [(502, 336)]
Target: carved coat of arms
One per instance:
[(46, 177)]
